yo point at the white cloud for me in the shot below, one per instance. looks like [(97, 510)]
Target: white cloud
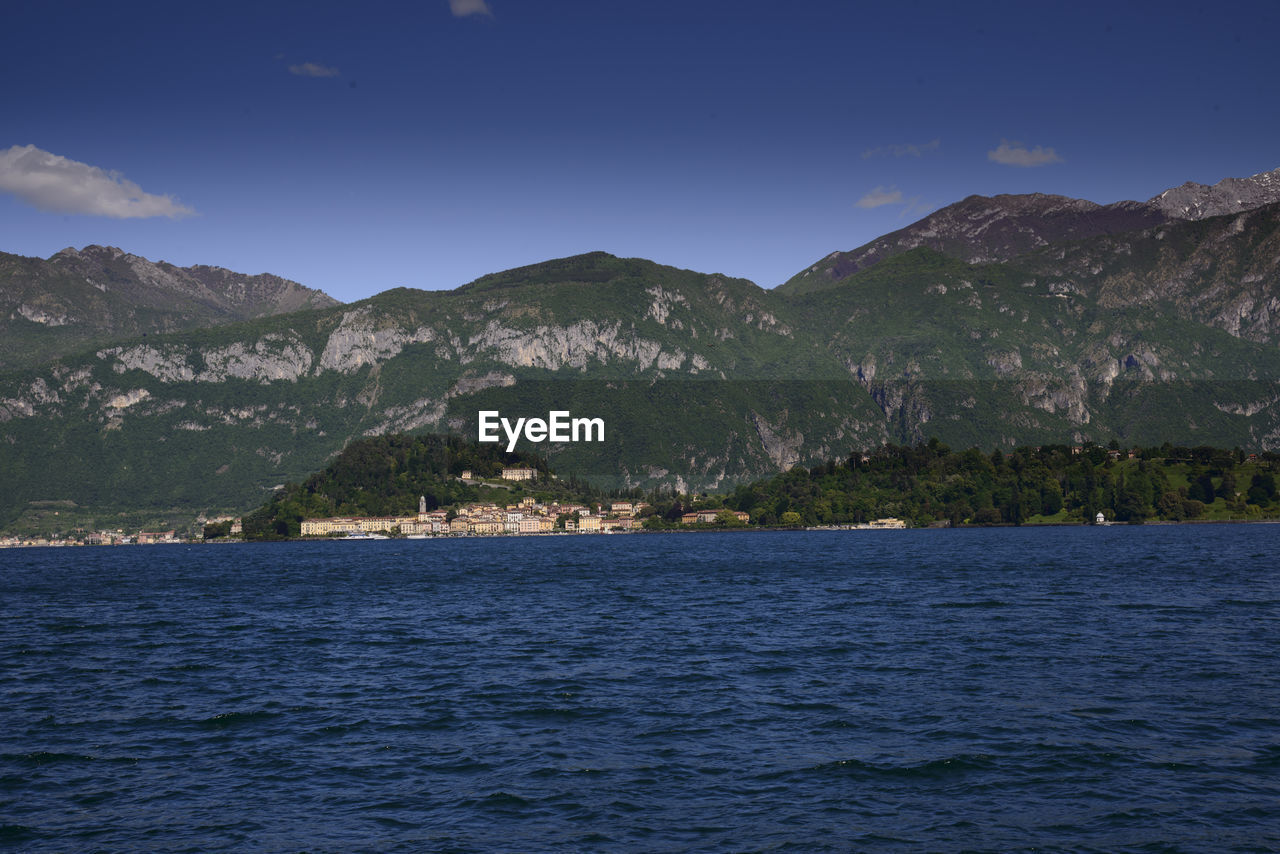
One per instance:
[(879, 197), (1017, 154), (463, 8), (53, 183), (903, 150), (313, 69)]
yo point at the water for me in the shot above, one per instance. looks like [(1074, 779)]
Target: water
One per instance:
[(1077, 689)]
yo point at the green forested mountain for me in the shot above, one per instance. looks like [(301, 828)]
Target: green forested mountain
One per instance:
[(1167, 331)]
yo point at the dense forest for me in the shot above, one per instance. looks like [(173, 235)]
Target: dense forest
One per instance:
[(930, 484)]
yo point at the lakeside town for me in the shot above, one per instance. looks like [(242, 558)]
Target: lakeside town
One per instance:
[(526, 517)]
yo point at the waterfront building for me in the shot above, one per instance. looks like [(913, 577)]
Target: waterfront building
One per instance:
[(145, 537)]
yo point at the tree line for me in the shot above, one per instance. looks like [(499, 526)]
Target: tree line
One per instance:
[(930, 484)]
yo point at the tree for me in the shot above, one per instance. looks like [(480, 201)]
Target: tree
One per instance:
[(791, 517), (1227, 488), (1133, 497), (987, 516), (1202, 489), (214, 530), (1262, 488), (1170, 506), (1050, 497)]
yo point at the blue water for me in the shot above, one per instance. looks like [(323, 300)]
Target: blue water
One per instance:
[(1077, 689)]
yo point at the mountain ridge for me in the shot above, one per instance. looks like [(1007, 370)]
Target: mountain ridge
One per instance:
[(981, 229), (1166, 332), (83, 297), (1230, 195)]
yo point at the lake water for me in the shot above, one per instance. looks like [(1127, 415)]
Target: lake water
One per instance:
[(1076, 689)]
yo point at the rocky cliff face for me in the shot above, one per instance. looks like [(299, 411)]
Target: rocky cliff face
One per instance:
[(1222, 272)]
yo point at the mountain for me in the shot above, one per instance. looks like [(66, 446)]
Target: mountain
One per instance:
[(1228, 196), (1058, 321), (702, 380), (983, 229), (80, 298)]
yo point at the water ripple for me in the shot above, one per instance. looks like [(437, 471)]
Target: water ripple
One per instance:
[(1061, 690)]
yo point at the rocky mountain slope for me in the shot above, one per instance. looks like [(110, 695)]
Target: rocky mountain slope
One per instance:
[(1228, 196), (1077, 323), (79, 298), (983, 229)]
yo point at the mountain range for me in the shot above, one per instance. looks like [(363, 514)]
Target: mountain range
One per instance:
[(992, 322)]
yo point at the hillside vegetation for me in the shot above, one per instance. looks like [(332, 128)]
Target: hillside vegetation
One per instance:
[(929, 484)]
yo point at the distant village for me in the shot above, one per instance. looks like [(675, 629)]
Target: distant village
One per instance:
[(528, 516)]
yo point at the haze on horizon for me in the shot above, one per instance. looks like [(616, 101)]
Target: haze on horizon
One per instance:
[(359, 149)]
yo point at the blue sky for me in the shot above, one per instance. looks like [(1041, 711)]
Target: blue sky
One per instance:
[(359, 147)]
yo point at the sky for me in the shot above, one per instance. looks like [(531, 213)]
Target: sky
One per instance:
[(356, 147)]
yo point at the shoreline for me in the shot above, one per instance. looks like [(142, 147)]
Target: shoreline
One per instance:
[(708, 530)]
